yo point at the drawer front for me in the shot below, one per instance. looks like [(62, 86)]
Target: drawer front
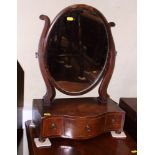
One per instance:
[(84, 128), (114, 121), (52, 127)]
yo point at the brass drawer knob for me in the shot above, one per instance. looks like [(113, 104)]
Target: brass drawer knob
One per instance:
[(113, 120), (88, 128), (53, 126)]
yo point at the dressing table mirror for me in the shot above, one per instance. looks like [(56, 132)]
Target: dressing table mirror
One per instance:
[(76, 52)]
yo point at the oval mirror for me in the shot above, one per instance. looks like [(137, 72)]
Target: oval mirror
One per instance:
[(77, 49)]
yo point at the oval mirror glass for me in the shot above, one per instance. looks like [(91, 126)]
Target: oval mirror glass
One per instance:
[(77, 49)]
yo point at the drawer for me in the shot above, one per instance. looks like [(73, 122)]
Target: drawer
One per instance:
[(52, 127), (84, 127), (114, 121)]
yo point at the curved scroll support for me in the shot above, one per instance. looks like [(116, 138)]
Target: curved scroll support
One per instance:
[(44, 31), (108, 71), (112, 24), (50, 92)]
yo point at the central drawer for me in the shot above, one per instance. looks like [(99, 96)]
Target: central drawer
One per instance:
[(83, 127)]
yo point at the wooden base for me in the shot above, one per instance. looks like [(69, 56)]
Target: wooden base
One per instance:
[(77, 118), (101, 145)]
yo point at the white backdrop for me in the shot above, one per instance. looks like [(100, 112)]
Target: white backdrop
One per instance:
[(122, 12)]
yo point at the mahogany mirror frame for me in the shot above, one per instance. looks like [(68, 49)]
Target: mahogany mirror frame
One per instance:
[(106, 72)]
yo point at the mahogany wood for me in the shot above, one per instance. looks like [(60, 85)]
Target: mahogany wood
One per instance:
[(50, 94), (101, 145), (77, 118)]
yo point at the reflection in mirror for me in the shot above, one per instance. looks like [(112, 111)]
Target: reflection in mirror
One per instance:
[(77, 49)]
